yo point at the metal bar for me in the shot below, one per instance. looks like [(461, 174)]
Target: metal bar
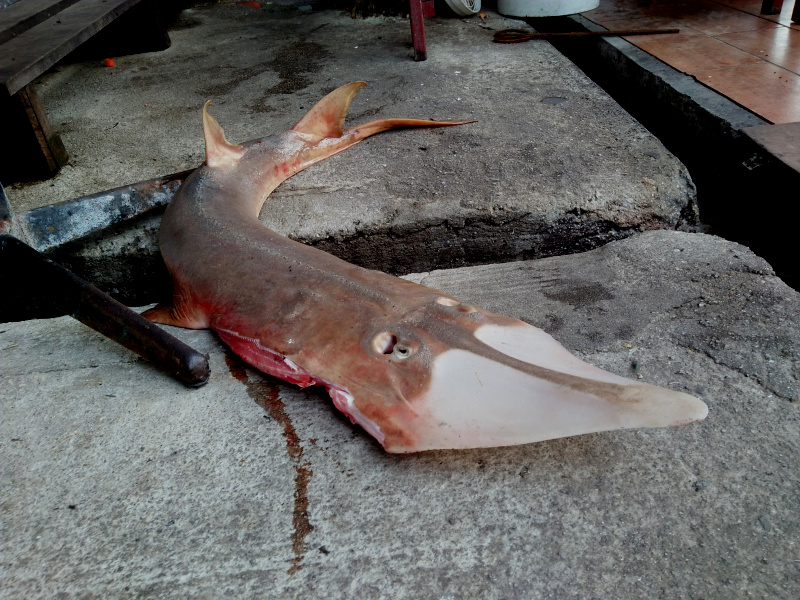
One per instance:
[(56, 224), (45, 280)]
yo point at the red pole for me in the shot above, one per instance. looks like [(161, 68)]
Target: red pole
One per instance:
[(417, 29)]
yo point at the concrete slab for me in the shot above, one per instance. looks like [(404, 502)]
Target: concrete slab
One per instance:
[(118, 482), (779, 140), (552, 166), (732, 154)]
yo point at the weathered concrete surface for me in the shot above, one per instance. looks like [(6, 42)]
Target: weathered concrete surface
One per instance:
[(723, 145), (553, 165), (120, 483)]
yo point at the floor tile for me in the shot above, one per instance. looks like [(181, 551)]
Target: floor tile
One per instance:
[(615, 10), (726, 44), (635, 22), (753, 7), (690, 51), (780, 45), (712, 18), (766, 89), (785, 18)]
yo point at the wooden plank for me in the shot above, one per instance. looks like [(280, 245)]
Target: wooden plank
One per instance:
[(31, 149), (25, 14), (31, 53)]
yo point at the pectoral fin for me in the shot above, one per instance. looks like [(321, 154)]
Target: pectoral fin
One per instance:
[(169, 315)]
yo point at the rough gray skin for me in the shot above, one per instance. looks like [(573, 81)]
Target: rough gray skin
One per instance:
[(118, 482), (553, 159)]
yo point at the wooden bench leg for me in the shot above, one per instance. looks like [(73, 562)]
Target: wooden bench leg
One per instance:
[(30, 148)]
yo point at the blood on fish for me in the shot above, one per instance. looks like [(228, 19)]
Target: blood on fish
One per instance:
[(267, 360), (417, 369)]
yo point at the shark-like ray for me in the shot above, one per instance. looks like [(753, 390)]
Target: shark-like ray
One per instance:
[(415, 367)]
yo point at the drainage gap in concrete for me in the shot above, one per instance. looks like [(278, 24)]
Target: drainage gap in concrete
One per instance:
[(744, 193)]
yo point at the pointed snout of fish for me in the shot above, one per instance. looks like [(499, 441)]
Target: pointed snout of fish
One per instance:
[(476, 400)]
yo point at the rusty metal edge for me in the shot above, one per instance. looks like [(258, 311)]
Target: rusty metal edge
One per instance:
[(51, 226)]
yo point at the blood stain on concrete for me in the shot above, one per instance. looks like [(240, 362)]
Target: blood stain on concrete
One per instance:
[(265, 393)]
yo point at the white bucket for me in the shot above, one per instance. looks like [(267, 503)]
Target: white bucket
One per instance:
[(464, 8), (544, 8)]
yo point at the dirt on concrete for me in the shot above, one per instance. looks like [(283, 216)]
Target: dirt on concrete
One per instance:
[(552, 166), (119, 482)]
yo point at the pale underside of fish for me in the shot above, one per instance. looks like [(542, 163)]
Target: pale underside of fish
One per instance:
[(414, 367)]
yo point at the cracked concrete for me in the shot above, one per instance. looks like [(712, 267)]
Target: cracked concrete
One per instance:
[(118, 482), (552, 166)]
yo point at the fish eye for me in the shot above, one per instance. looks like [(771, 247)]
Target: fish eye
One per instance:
[(401, 351), (386, 343)]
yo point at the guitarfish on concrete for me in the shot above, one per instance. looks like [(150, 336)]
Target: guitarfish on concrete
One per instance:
[(415, 367)]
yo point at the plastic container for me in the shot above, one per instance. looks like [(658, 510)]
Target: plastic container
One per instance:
[(544, 8), (464, 8)]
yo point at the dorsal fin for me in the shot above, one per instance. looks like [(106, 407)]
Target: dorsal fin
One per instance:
[(326, 118), (219, 151)]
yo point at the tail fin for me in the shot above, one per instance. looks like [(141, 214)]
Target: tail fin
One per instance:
[(372, 127), (322, 131), (326, 118)]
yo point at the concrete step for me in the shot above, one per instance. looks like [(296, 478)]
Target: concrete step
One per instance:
[(118, 481), (553, 165)]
